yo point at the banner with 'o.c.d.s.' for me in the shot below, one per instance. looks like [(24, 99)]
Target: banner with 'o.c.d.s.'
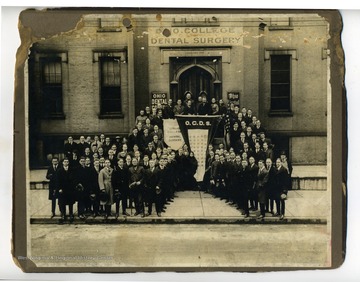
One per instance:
[(198, 131)]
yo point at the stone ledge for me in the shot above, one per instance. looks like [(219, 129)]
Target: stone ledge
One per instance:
[(182, 220)]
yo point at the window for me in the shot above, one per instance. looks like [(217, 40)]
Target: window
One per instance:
[(51, 86), (280, 83), (110, 90)]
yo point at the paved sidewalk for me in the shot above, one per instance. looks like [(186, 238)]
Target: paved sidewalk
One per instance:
[(302, 206)]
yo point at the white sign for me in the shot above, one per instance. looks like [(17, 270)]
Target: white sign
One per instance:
[(158, 98), (172, 134), (198, 143)]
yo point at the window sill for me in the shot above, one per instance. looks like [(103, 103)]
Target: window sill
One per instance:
[(111, 116), (280, 28), (280, 114), (60, 116)]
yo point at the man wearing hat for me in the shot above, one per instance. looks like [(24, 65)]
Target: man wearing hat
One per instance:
[(118, 142)]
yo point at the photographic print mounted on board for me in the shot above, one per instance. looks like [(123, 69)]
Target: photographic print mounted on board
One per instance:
[(179, 140)]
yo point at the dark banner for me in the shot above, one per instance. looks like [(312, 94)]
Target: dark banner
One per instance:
[(198, 132)]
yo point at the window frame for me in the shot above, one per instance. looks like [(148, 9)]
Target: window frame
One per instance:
[(280, 77), (292, 55), (103, 56), (48, 58)]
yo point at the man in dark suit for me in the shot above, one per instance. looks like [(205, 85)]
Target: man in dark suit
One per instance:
[(136, 186), (107, 146), (248, 117), (164, 182), (65, 189), (145, 162), (287, 165), (157, 143), (157, 131), (189, 108), (134, 138), (249, 152), (82, 145), (253, 172), (168, 111), (234, 135), (218, 176), (120, 183), (69, 147), (158, 119), (146, 138), (152, 188), (51, 176), (281, 188), (239, 146), (258, 153), (233, 166), (268, 151), (258, 128), (204, 107), (244, 181), (82, 186), (270, 190), (112, 158), (94, 188), (263, 139), (253, 141), (262, 179)]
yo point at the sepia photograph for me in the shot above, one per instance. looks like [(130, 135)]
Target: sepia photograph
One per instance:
[(179, 140)]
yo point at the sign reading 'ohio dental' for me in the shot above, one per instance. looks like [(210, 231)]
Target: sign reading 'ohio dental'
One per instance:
[(196, 36)]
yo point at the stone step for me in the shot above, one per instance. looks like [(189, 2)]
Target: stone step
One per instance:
[(180, 220)]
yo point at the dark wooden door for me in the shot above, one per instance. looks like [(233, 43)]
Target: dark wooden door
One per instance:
[(196, 80)]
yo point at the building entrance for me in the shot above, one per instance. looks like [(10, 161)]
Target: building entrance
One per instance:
[(200, 76), (196, 80)]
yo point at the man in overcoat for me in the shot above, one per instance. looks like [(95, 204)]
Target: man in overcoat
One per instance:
[(152, 188), (244, 181), (136, 186), (261, 186), (281, 188), (82, 186), (120, 183), (253, 172), (65, 189), (51, 176)]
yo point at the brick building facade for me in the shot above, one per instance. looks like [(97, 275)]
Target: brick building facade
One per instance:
[(95, 78)]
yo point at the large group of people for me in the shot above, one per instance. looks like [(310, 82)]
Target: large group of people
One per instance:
[(140, 170)]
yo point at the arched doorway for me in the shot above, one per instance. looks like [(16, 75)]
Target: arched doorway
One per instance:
[(195, 74), (196, 80)]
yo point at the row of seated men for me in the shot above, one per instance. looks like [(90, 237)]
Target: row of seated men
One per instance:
[(96, 186)]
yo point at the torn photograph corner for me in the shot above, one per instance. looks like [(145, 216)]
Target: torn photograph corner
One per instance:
[(179, 140)]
